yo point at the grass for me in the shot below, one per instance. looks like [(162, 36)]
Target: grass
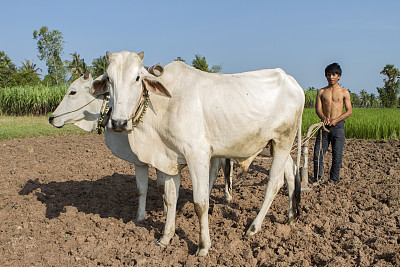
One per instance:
[(32, 126), (364, 123)]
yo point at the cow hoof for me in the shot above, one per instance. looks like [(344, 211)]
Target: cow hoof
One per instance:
[(291, 220), (163, 242), (201, 252), (251, 231), (160, 244), (228, 198), (140, 219)]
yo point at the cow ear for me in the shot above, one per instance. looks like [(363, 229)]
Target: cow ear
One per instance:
[(141, 55), (154, 85), (99, 86)]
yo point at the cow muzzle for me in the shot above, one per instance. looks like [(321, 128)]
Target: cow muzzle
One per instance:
[(52, 122), (119, 125)]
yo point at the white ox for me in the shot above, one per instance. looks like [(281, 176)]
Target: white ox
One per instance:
[(194, 116), (79, 107)]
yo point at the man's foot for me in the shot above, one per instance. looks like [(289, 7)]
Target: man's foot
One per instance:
[(333, 182), (318, 182)]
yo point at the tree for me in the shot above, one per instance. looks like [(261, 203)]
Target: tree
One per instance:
[(200, 63), (77, 67), (180, 59), (364, 98), (24, 77), (50, 47), (7, 69), (388, 93), (30, 67), (100, 66), (355, 100), (372, 101)]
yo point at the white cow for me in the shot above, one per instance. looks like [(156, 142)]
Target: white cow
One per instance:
[(79, 107), (194, 116)]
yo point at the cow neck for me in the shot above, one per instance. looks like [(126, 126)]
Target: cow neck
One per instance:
[(137, 117)]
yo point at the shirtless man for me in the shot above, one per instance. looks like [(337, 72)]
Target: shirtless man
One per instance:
[(329, 107)]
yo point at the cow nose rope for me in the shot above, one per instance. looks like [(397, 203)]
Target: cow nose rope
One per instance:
[(74, 109)]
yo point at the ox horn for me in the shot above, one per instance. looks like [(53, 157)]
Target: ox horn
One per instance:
[(157, 70), (108, 54), (87, 75), (141, 55)]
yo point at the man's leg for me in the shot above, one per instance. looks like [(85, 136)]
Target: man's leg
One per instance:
[(319, 151), (337, 151)]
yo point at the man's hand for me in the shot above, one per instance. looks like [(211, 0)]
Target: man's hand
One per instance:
[(333, 122), (326, 121)]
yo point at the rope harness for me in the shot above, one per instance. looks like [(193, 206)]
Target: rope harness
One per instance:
[(137, 117), (104, 114)]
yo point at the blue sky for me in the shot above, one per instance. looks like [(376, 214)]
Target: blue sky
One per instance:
[(301, 37)]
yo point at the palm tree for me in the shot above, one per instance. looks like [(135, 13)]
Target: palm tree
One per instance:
[(28, 66), (99, 66), (372, 100), (364, 98), (77, 67)]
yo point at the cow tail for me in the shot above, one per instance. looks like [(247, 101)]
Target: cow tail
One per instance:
[(297, 184)]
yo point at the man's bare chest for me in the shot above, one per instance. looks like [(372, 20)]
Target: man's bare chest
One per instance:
[(332, 97)]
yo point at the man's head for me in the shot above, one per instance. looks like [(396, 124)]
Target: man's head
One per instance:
[(333, 68), (333, 72)]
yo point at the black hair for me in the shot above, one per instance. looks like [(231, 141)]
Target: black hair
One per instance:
[(333, 68)]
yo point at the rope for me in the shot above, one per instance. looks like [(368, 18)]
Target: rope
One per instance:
[(314, 131), (141, 109), (74, 109)]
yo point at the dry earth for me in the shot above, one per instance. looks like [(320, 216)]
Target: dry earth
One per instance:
[(67, 201)]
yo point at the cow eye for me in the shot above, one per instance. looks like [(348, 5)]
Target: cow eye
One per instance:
[(137, 78), (72, 92)]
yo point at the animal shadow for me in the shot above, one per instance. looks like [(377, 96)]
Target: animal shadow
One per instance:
[(111, 196)]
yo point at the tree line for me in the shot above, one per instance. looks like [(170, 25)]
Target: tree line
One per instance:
[(387, 95), (50, 50)]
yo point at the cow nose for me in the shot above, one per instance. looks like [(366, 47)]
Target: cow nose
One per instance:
[(51, 118), (119, 125)]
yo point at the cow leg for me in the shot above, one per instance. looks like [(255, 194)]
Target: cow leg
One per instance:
[(215, 164), (170, 197), (228, 171), (199, 172), (161, 188), (227, 167), (290, 168), (276, 174), (142, 181)]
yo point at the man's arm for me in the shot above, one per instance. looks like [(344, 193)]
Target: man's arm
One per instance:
[(318, 107), (347, 106)]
